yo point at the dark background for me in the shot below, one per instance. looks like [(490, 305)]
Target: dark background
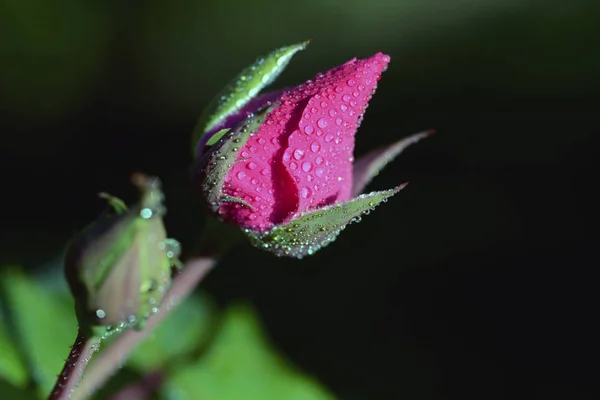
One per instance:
[(477, 281)]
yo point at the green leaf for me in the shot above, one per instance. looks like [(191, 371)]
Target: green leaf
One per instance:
[(10, 392), (368, 166), (44, 322), (183, 331), (12, 367), (216, 163), (241, 365), (310, 231), (244, 88)]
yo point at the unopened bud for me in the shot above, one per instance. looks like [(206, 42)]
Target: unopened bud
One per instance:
[(119, 267)]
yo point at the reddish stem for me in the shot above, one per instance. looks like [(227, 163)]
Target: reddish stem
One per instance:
[(81, 352)]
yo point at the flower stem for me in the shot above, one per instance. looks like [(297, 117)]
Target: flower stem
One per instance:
[(72, 373), (110, 359)]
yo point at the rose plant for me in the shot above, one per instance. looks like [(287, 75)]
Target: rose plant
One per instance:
[(281, 165)]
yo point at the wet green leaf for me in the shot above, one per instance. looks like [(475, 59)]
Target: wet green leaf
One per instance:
[(44, 322), (244, 88), (310, 231), (241, 365)]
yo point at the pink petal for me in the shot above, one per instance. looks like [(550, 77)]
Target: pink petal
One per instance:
[(301, 157)]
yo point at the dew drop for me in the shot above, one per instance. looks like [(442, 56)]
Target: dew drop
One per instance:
[(293, 165), (306, 166), (286, 156), (338, 121), (298, 154), (351, 82), (264, 172), (332, 113), (319, 160), (308, 129), (329, 138), (241, 175), (346, 98), (305, 192), (322, 123), (339, 89), (252, 165), (315, 146), (319, 172), (344, 108)]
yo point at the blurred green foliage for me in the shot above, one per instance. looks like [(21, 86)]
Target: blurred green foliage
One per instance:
[(200, 353)]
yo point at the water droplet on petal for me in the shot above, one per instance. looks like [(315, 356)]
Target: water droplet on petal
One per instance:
[(351, 82), (308, 129), (322, 123), (305, 192), (241, 175), (319, 160), (298, 154), (315, 147), (252, 165), (319, 172), (306, 166), (293, 165), (329, 138)]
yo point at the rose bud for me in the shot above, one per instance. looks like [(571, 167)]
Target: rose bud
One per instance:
[(119, 267), (281, 165)]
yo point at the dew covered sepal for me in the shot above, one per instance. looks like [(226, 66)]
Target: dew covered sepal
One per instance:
[(308, 232), (241, 91), (119, 267)]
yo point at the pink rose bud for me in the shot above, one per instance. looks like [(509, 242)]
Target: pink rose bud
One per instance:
[(286, 174)]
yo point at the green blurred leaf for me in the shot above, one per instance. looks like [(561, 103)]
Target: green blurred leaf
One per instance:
[(12, 368), (10, 392), (183, 331), (241, 365), (244, 88), (44, 322)]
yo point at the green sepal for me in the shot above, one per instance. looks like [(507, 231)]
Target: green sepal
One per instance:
[(216, 137), (368, 166), (218, 161), (244, 88), (310, 231)]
